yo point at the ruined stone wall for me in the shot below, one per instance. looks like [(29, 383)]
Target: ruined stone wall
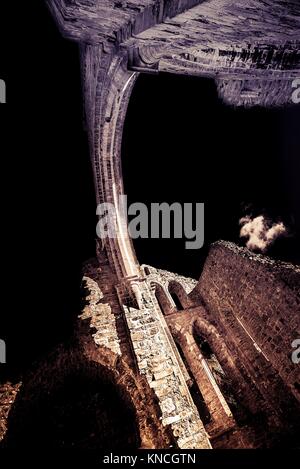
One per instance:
[(246, 307), (253, 303), (250, 306), (264, 297), (102, 308), (241, 424), (100, 359), (113, 21), (158, 362), (136, 331), (226, 25), (164, 277), (231, 308), (164, 283), (251, 48)]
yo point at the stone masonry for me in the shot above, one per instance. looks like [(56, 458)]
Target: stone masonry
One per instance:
[(191, 364), (248, 382)]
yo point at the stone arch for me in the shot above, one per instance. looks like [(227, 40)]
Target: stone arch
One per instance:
[(196, 394), (179, 295), (218, 418), (108, 86), (163, 298), (221, 363), (211, 334), (84, 399)]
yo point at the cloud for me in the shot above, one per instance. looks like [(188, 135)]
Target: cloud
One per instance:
[(261, 233)]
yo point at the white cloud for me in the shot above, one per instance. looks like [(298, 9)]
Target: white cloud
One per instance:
[(260, 233)]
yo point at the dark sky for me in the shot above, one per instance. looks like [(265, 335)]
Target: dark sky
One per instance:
[(180, 144)]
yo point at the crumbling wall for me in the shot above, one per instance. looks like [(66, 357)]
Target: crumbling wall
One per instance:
[(137, 334), (253, 302), (262, 295)]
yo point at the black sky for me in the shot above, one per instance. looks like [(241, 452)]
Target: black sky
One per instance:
[(182, 144)]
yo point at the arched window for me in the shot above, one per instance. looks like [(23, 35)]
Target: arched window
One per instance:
[(209, 356), (178, 295), (217, 371), (162, 298), (147, 271), (194, 390), (176, 301)]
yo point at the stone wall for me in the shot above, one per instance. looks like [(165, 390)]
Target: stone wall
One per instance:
[(253, 303), (157, 360), (247, 306), (238, 306), (241, 45), (112, 21), (165, 283), (136, 331), (263, 295)]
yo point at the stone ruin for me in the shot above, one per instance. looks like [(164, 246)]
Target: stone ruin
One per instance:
[(158, 360)]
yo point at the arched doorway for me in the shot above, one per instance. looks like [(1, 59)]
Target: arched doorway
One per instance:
[(81, 410)]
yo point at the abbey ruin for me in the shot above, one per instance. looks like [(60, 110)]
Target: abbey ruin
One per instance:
[(187, 364)]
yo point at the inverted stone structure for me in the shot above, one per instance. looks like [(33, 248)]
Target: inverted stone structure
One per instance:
[(251, 49)]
